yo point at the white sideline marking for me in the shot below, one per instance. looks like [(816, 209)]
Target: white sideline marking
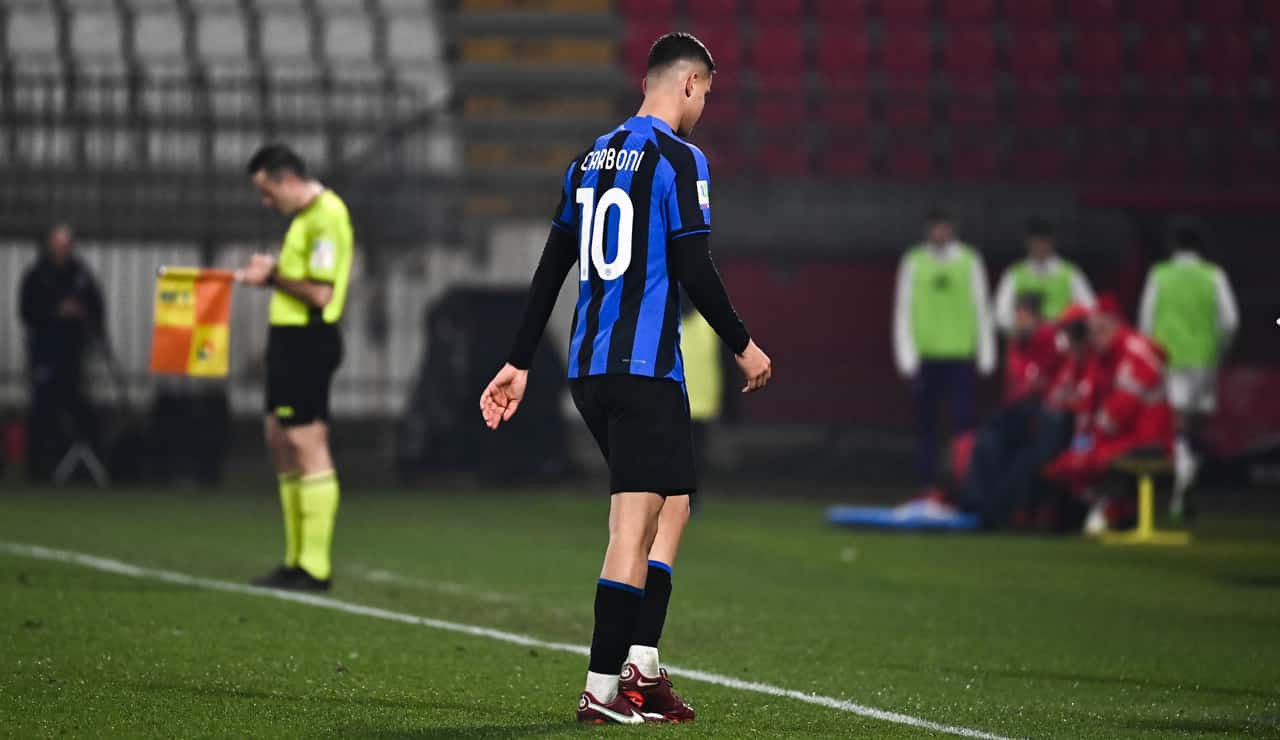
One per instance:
[(108, 565)]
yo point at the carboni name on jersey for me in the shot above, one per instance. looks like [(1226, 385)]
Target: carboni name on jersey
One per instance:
[(609, 159)]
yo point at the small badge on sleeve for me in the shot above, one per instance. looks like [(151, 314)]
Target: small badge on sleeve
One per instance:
[(323, 255), (704, 194)]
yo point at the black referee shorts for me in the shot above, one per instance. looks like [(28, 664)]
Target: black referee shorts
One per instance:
[(301, 361), (642, 426)]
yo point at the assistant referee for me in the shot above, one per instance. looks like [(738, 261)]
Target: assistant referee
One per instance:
[(304, 348)]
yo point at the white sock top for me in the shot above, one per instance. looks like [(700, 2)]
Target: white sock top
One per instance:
[(645, 658), (602, 686)]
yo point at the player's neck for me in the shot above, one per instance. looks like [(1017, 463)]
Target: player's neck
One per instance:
[(662, 110), (313, 190)]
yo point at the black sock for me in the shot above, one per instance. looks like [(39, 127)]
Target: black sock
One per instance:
[(617, 605), (653, 608)]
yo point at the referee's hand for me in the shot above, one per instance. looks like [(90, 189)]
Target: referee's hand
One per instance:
[(502, 396), (756, 365)]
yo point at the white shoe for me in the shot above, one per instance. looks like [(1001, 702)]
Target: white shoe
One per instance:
[(1096, 523)]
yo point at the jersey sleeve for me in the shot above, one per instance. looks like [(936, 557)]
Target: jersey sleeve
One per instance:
[(324, 239), (688, 199), (566, 213)]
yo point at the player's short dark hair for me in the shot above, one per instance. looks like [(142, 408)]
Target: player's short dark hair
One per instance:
[(1039, 228), (677, 47), (937, 216), (1031, 301), (1187, 236), (275, 159)]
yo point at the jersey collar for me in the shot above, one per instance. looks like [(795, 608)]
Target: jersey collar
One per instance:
[(639, 122)]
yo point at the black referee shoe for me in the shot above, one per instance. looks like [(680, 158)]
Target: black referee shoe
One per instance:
[(282, 577), (304, 581)]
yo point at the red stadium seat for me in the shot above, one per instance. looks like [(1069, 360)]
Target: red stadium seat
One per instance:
[(1227, 57), (647, 11), (842, 11), (783, 155), (975, 155), (782, 110), (969, 11), (725, 44), (714, 11), (1221, 13), (843, 53), (908, 60), (977, 108), (969, 59), (1032, 13), (908, 112), (639, 38), (915, 13), (911, 156), (779, 58), (1036, 61), (724, 154), (1104, 157), (777, 10), (1039, 159), (1095, 13), (1162, 61), (845, 157), (1099, 62), (843, 112), (1165, 160), (1038, 111), (1157, 13), (722, 111)]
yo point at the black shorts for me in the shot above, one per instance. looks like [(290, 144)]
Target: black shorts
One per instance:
[(642, 426), (301, 361)]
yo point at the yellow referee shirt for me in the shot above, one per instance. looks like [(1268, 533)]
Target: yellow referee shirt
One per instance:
[(318, 247)]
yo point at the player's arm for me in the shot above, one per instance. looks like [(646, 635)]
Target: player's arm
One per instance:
[(261, 272)]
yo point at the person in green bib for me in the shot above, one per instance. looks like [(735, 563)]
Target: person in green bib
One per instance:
[(942, 329), (1188, 308), (1059, 282), (304, 348)]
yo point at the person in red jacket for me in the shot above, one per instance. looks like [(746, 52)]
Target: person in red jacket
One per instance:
[(1032, 354), (1122, 410)]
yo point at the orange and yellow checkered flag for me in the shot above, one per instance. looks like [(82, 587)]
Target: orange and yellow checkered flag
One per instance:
[(193, 310)]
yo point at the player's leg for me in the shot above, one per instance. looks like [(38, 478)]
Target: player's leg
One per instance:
[(926, 393), (318, 495), (288, 477), (1181, 389)]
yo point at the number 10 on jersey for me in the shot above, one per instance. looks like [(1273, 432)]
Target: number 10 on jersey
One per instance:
[(591, 242)]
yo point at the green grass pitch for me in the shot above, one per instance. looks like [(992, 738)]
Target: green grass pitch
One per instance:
[(1011, 636)]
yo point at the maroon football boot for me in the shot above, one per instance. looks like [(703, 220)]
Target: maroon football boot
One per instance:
[(654, 695)]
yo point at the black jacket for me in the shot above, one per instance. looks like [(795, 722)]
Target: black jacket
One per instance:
[(51, 339)]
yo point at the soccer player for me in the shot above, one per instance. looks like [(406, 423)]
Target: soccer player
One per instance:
[(635, 214), (304, 348), (1188, 307), (1059, 282)]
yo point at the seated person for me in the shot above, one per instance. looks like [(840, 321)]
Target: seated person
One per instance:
[(1043, 375), (1125, 410)]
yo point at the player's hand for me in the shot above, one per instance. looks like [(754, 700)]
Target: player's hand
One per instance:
[(502, 396), (756, 365), (259, 270)]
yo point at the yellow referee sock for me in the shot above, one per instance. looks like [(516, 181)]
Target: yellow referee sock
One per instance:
[(290, 483), (319, 506)]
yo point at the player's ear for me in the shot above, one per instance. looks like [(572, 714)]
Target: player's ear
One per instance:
[(689, 82)]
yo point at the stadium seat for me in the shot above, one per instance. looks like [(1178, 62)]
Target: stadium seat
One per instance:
[(907, 13), (1037, 111), (781, 110), (221, 36), (969, 60), (725, 43), (636, 44), (779, 58), (713, 11), (348, 38), (908, 111), (1035, 61), (1153, 14), (1226, 56), (158, 34), (96, 34), (31, 32), (969, 11), (289, 34), (974, 108), (911, 155), (908, 61), (843, 53), (1031, 14), (783, 155), (841, 112), (1099, 62), (722, 111), (1165, 158), (1094, 13), (845, 157), (1225, 13), (975, 155), (1039, 155), (648, 11), (1104, 156), (1162, 62), (768, 11), (841, 11)]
